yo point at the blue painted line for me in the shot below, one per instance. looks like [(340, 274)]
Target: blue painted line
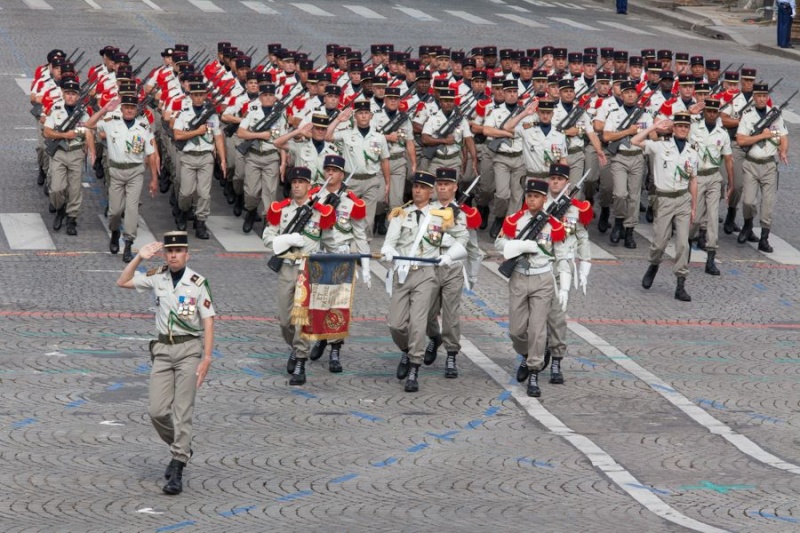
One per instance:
[(303, 393), (474, 423), (237, 510), (444, 436), (216, 354), (179, 525), (586, 362), (365, 416), (760, 287), (22, 423), (144, 368), (491, 411), (512, 381), (505, 395), (503, 324), (115, 386), (651, 489), (534, 462), (295, 496), (346, 477), (766, 418), (711, 403), (661, 387), (621, 373), (76, 403), (417, 448), (387, 462), (770, 516), (164, 36), (785, 303), (251, 372), (733, 272), (18, 55)]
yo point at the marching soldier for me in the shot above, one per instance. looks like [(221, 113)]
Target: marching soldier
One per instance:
[(304, 240), (417, 230), (449, 148), (675, 163), (307, 146), (483, 107), (542, 143), (760, 170), (262, 163), (66, 165), (235, 112), (532, 287), (184, 311), (347, 235), (714, 148), (197, 160)]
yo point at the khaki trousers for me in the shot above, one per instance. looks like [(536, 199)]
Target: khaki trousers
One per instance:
[(509, 175), (66, 173), (240, 167), (665, 211), (759, 177), (408, 311), (371, 190), (197, 171), (557, 327), (486, 186), (738, 175), (436, 163), (260, 179), (124, 191), (447, 299), (626, 175), (709, 189), (173, 384), (287, 281), (397, 182), (577, 166), (529, 301)]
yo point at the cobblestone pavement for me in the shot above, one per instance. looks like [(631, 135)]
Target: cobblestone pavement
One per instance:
[(674, 416)]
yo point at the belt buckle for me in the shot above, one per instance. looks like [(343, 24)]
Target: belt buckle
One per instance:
[(415, 267)]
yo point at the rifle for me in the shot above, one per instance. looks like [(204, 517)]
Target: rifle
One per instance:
[(538, 221), (266, 123), (629, 121), (495, 144), (573, 116), (463, 197), (209, 109), (138, 69), (69, 58), (196, 55), (751, 101), (250, 51), (77, 59), (334, 198), (130, 58), (717, 85), (769, 119), (52, 145), (298, 223), (450, 125)]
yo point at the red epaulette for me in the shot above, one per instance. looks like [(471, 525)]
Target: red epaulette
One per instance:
[(585, 213), (666, 107), (480, 107), (510, 223), (557, 232), (359, 210), (585, 98), (403, 106), (327, 215), (314, 190), (473, 216), (274, 213)]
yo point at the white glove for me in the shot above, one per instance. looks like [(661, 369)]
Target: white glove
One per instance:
[(366, 273), (563, 298), (445, 260), (457, 252), (564, 281), (389, 253), (448, 240), (583, 274), (282, 243), (515, 248)]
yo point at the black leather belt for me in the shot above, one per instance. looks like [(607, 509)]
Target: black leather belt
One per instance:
[(175, 339)]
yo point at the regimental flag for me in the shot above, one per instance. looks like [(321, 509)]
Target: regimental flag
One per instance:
[(323, 296)]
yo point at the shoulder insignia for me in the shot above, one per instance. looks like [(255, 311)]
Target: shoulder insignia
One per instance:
[(197, 279), (359, 210), (274, 213), (324, 209), (557, 232), (157, 270), (510, 224), (585, 213), (399, 211), (527, 125)]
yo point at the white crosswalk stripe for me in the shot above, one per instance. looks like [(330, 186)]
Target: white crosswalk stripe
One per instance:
[(364, 12), (648, 232), (26, 231), (228, 231), (680, 33), (152, 5), (574, 24), (519, 8), (37, 4), (206, 5), (143, 233), (600, 253), (469, 17), (569, 6), (625, 27), (93, 4), (784, 253), (790, 117), (522, 20), (24, 84), (417, 14), (539, 3), (313, 10), (259, 7)]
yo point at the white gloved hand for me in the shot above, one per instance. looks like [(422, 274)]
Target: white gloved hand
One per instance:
[(564, 282), (365, 272), (282, 243), (296, 239), (389, 253), (445, 260), (457, 252), (583, 274), (448, 240), (515, 248), (563, 298)]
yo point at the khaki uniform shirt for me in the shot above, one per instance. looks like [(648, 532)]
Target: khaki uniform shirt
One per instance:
[(255, 114), (768, 147), (461, 132), (540, 150), (127, 145), (549, 252), (672, 170), (179, 309), (494, 120), (711, 145), (405, 132), (362, 154), (201, 143), (404, 228), (312, 233), (58, 114)]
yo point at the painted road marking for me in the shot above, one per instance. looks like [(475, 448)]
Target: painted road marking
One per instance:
[(26, 231), (784, 253), (574, 24), (228, 231), (258, 7), (469, 17), (206, 5), (364, 12), (313, 10), (522, 20), (417, 14), (143, 233)]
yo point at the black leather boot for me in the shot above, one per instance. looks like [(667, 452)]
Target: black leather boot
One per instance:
[(729, 226), (127, 253), (412, 384), (175, 484), (556, 377), (711, 266), (617, 231), (249, 220), (763, 242), (602, 222), (701, 239), (432, 350), (41, 178), (380, 224), (201, 232), (649, 276), (522, 370), (59, 219), (317, 350), (484, 211), (497, 225), (113, 244), (402, 366), (680, 291), (180, 220), (230, 195), (629, 242), (291, 362), (238, 205), (450, 369), (747, 229), (72, 226), (334, 365), (533, 385), (299, 374), (649, 215)]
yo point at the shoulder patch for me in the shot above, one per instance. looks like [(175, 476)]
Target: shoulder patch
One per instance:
[(197, 279), (157, 270)]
